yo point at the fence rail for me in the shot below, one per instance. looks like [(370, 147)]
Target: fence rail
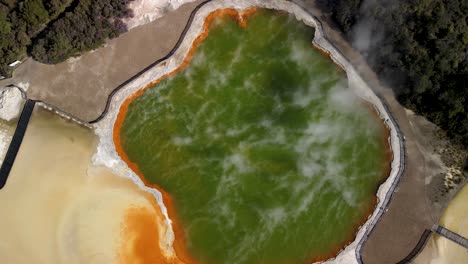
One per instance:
[(420, 245)]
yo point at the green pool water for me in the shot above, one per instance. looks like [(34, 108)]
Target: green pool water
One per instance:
[(268, 155)]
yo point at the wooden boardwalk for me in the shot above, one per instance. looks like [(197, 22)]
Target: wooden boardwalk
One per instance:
[(460, 240), (16, 141), (440, 230)]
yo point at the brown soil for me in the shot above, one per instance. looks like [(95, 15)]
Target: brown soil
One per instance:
[(410, 211), (81, 86)]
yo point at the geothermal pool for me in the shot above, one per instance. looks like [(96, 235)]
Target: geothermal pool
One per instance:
[(266, 155), (7, 129)]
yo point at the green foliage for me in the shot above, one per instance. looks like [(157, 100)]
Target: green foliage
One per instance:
[(52, 31), (91, 23), (34, 14), (5, 25), (423, 54)]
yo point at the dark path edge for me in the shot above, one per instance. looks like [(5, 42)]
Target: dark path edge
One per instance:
[(149, 67), (417, 249), (437, 229), (454, 237), (16, 141)]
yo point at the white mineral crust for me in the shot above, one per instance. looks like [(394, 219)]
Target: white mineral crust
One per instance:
[(11, 102), (146, 11), (107, 155)]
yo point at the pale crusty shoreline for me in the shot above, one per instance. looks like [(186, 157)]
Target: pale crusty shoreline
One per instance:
[(57, 207), (107, 155)]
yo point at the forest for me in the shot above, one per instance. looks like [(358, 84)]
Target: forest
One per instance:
[(51, 31), (417, 47)]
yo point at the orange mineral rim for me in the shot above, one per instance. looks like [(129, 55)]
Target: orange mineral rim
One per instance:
[(180, 245)]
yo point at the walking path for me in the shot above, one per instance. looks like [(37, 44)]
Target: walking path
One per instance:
[(16, 141), (81, 86), (153, 64)]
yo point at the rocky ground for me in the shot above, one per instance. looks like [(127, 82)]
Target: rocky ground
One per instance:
[(81, 86), (447, 159)]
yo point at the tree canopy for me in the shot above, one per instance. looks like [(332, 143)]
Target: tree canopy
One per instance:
[(54, 30), (419, 48)]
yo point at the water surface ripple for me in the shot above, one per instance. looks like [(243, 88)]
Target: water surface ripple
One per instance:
[(268, 156)]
